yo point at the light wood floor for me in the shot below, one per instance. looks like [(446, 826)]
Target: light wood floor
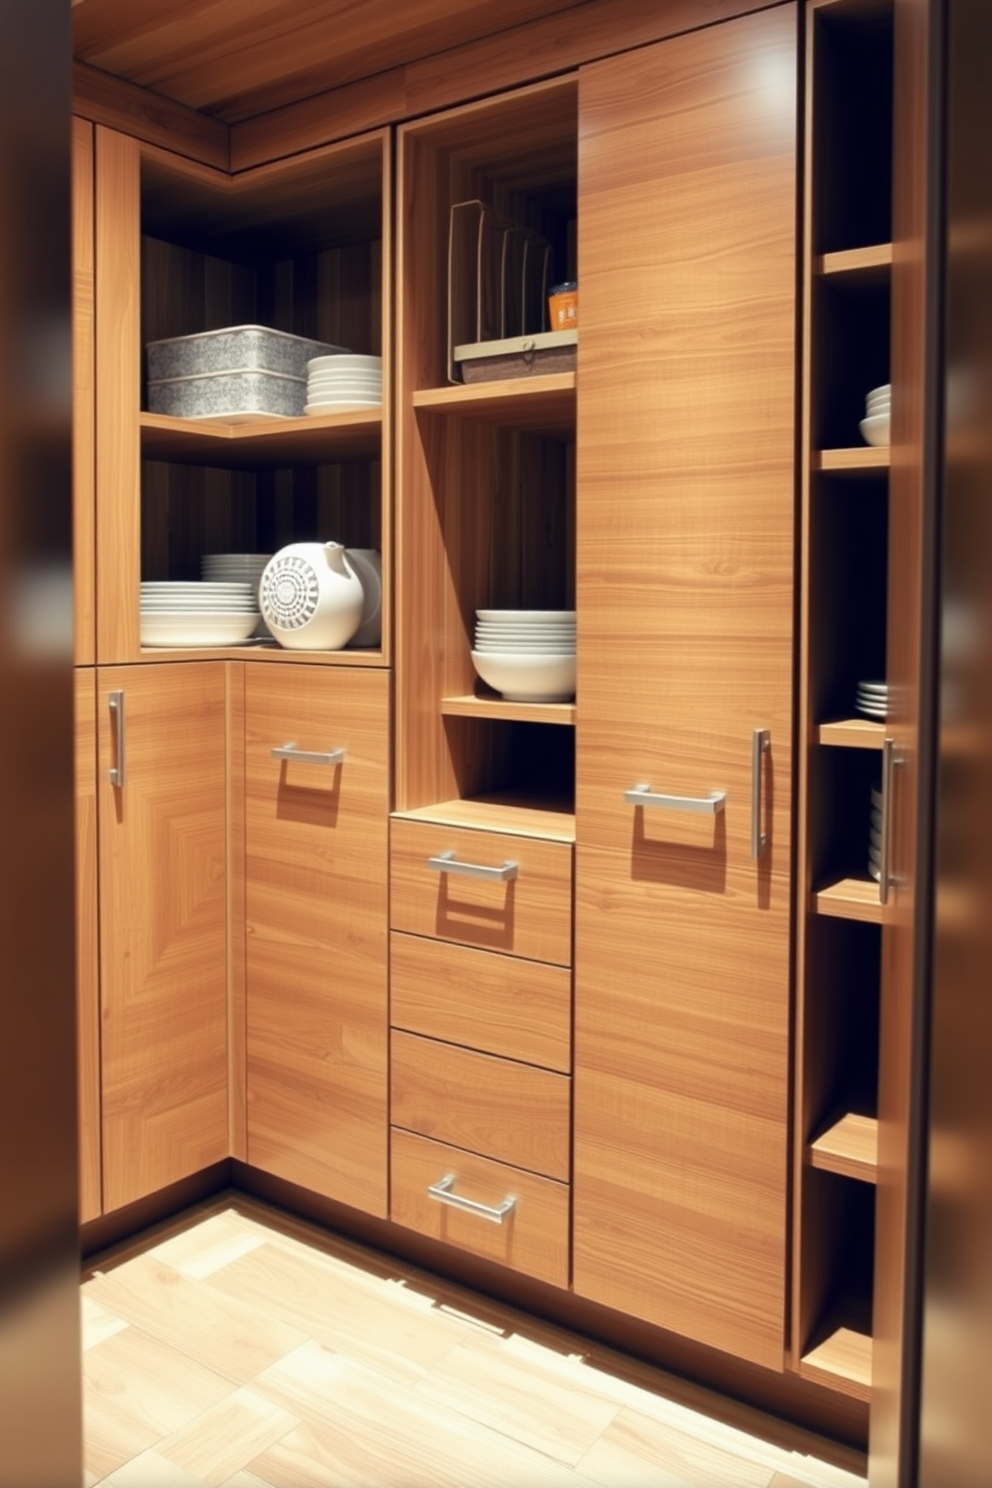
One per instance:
[(244, 1349)]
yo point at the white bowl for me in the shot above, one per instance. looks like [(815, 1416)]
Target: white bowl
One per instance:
[(192, 629), (530, 617), (875, 428), (548, 678), (341, 405), (354, 361), (883, 392)]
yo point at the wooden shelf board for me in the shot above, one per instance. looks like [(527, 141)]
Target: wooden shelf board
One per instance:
[(842, 1361), (866, 265), (502, 812), (862, 460), (850, 899), (544, 403), (273, 442), (851, 733), (496, 707), (848, 1147), (359, 658)]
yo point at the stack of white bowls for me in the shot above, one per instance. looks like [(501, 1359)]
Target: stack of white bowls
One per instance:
[(191, 614), (878, 407), (237, 568), (873, 699), (527, 655), (875, 839), (346, 380)]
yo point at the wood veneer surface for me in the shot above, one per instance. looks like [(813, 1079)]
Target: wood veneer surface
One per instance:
[(83, 396), (87, 948), (315, 909), (163, 916), (687, 179)]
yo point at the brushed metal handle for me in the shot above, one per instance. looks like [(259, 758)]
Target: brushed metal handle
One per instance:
[(642, 795), (761, 743), (890, 762), (117, 771), (308, 757), (446, 862), (442, 1191)]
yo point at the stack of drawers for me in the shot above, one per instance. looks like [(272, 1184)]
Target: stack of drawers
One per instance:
[(481, 1042)]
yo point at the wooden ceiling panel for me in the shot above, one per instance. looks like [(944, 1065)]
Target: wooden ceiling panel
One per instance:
[(237, 58)]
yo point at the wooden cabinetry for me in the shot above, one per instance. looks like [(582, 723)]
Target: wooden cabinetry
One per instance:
[(844, 563), (87, 948), (163, 924), (315, 873), (686, 393)]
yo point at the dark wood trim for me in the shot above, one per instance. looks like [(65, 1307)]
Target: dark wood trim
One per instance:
[(521, 54), (116, 1234), (148, 116)]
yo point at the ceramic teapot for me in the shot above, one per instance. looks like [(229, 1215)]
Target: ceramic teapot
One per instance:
[(311, 597)]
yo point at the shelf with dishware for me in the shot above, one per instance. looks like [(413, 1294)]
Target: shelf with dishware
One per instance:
[(263, 442)]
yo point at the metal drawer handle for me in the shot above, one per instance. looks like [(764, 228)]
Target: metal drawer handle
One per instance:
[(761, 743), (116, 701), (642, 795), (446, 862), (442, 1191), (290, 752), (890, 761)]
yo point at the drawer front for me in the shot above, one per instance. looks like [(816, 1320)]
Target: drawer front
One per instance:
[(497, 1004), (498, 1108), (533, 1236), (529, 914)]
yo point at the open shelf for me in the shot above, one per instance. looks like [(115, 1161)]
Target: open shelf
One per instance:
[(264, 442), (496, 707), (502, 812), (869, 265), (263, 653), (843, 1361), (863, 461), (851, 733), (850, 899), (542, 404), (848, 1147)]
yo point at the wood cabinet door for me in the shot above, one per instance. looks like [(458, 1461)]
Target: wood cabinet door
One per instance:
[(87, 948), (163, 924), (685, 553), (316, 873)]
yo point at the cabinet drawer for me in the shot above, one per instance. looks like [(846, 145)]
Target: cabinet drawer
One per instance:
[(496, 1107), (528, 915), (533, 1236), (497, 1004)]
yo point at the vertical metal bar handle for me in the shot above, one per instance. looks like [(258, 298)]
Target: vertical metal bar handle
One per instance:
[(889, 762), (761, 742), (116, 701)]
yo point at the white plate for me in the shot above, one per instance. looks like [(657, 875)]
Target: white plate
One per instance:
[(527, 632), (531, 617), (879, 714), (342, 406), (875, 872), (355, 360), (196, 630), (875, 429), (873, 686)]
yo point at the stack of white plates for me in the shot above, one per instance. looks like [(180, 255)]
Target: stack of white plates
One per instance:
[(527, 655), (875, 838), (878, 407), (346, 380), (191, 614), (237, 568), (873, 699)]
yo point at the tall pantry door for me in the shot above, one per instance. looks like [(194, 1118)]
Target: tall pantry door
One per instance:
[(686, 500)]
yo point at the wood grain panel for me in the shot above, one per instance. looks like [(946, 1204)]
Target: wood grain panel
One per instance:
[(119, 104), (87, 948), (83, 397), (316, 845), (533, 1239), (163, 916), (118, 373), (686, 392), (498, 1108), (237, 990), (497, 1004), (528, 916)]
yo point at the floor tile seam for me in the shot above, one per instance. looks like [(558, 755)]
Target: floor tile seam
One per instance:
[(296, 1421)]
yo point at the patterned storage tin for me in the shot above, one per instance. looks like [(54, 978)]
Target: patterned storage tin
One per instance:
[(229, 395), (248, 348)]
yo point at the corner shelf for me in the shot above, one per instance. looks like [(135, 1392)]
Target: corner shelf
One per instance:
[(471, 706), (843, 1361), (864, 460), (849, 1147), (851, 733), (850, 899), (275, 443), (544, 403)]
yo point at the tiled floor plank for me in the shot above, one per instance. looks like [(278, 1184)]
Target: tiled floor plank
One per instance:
[(224, 1439)]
